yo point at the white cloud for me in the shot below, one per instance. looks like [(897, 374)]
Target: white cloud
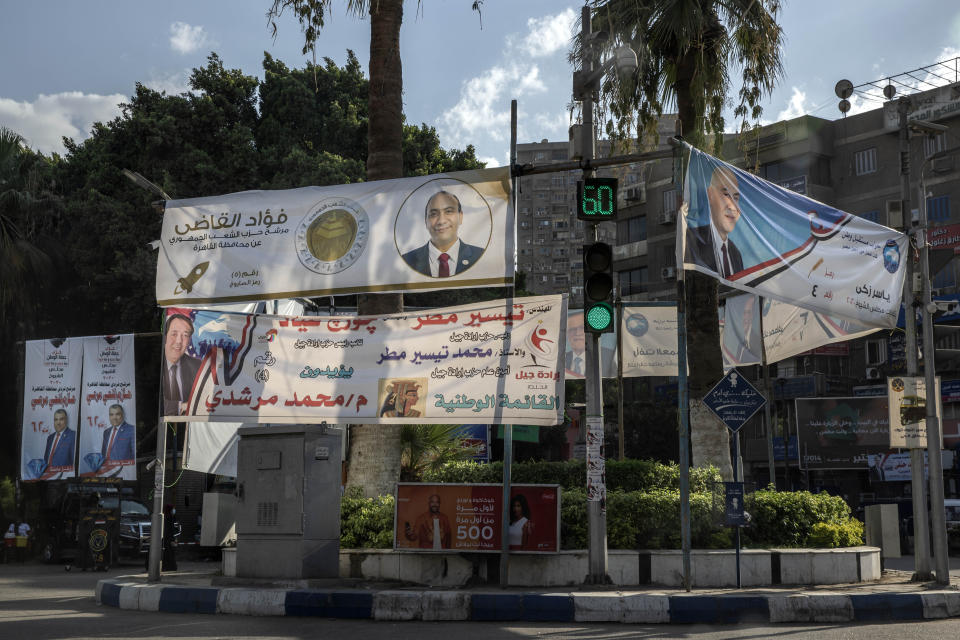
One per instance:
[(549, 34), (492, 161), (173, 83), (796, 107), (46, 120), (185, 38)]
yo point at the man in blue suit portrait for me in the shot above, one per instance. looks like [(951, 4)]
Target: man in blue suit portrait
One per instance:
[(60, 444), (119, 439), (445, 255)]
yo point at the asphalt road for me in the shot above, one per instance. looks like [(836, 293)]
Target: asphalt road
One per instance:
[(40, 602)]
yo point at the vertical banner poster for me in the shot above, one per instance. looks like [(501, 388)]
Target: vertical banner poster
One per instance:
[(108, 406), (764, 239), (468, 517), (575, 358), (493, 362), (649, 340), (51, 396), (907, 396), (841, 433)]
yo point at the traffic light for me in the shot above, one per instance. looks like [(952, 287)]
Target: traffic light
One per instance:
[(597, 199), (598, 313)]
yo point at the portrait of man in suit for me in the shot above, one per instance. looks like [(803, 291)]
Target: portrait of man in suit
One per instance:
[(710, 245), (445, 254), (61, 443), (576, 356), (119, 440), (179, 369)]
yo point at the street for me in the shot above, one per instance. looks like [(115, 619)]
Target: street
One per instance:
[(39, 602)]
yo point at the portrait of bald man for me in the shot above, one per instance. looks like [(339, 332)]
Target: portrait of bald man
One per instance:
[(710, 245)]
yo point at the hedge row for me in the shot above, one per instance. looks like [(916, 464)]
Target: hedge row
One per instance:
[(571, 475), (651, 520)]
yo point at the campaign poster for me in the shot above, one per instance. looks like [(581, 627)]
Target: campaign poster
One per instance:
[(495, 362), (575, 358), (841, 433), (108, 408), (649, 339), (764, 239), (51, 405), (469, 517), (442, 231), (907, 399)]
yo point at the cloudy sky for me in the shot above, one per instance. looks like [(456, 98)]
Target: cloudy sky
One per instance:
[(69, 64)]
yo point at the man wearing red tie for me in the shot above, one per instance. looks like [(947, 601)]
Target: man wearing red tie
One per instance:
[(119, 439), (59, 452), (445, 255)]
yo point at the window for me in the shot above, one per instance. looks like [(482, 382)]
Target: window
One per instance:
[(872, 216), (670, 201), (564, 280), (524, 224), (556, 181), (560, 252), (540, 156), (865, 161), (876, 352), (632, 230), (944, 279), (561, 224), (632, 281), (543, 223), (938, 209), (933, 144)]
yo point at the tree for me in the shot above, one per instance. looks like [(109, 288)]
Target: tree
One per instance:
[(428, 447), (687, 50)]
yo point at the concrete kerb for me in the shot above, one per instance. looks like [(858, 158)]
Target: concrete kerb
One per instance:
[(561, 606)]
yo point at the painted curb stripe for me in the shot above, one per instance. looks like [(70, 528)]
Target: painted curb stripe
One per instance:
[(330, 604), (189, 600), (887, 606), (547, 608), (722, 610), (495, 606), (110, 594)]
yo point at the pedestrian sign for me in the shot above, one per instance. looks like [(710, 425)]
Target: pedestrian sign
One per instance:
[(734, 400)]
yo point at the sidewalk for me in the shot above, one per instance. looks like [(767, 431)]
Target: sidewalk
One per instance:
[(198, 589)]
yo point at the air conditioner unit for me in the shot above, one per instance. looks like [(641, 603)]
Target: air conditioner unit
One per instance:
[(637, 194), (873, 373), (895, 214), (668, 217), (668, 273)]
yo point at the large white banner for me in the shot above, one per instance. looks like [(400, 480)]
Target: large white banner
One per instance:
[(788, 330), (428, 232), (51, 396), (495, 362), (108, 408), (764, 239), (649, 340)]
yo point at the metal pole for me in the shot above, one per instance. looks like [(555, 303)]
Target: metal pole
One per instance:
[(768, 388), (938, 524), (683, 406), (156, 526), (620, 390), (921, 546), (505, 525), (596, 509), (736, 478)]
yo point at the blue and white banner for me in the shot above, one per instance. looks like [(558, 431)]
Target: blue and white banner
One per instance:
[(764, 239), (649, 340)]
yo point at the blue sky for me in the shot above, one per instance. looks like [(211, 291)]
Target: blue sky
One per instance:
[(68, 64)]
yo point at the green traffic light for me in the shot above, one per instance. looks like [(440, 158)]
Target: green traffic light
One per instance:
[(599, 317)]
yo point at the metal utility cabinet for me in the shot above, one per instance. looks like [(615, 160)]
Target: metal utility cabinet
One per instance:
[(288, 511)]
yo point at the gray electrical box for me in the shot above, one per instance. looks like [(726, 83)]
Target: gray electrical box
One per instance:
[(288, 486)]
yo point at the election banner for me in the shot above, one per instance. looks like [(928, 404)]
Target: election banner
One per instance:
[(788, 330), (840, 433), (469, 517), (907, 400), (649, 339), (442, 231), (895, 467), (51, 395), (495, 362), (575, 358), (108, 408), (764, 239)]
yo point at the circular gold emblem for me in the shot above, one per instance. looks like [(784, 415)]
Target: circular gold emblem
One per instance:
[(98, 539), (332, 236)]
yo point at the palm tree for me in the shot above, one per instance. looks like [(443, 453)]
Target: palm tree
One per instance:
[(428, 447), (688, 50)]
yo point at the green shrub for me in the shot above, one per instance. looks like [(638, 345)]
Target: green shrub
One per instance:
[(786, 518), (831, 536), (366, 523)]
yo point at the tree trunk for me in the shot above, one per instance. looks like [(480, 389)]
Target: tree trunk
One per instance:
[(373, 459), (709, 439)]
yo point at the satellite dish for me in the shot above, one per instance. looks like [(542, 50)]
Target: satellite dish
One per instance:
[(844, 89), (889, 91), (844, 106)]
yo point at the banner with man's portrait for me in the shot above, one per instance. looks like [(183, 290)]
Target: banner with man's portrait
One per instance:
[(108, 408), (575, 358), (492, 362), (51, 404), (762, 238), (442, 231)]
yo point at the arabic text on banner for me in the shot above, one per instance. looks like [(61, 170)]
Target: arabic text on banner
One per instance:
[(840, 433), (108, 408), (494, 362), (468, 517), (51, 394), (907, 396), (369, 236), (649, 340), (762, 238)]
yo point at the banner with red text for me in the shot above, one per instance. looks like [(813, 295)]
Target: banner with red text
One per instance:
[(51, 394), (492, 362), (108, 408), (469, 517)]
